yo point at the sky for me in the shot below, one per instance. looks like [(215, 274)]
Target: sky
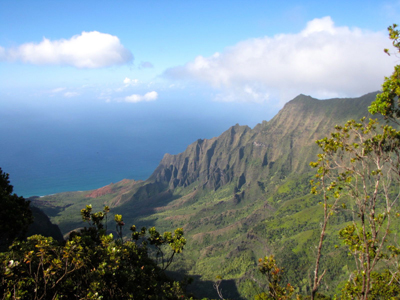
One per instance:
[(248, 57)]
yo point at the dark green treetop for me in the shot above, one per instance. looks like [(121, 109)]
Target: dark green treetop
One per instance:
[(387, 102), (15, 214)]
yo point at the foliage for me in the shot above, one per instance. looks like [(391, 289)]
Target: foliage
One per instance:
[(361, 162), (383, 286), (90, 265), (273, 274), (15, 214), (387, 102)]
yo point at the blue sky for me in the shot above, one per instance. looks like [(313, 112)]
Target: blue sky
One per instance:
[(241, 55)]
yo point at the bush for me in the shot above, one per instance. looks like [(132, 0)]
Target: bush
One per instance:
[(92, 264)]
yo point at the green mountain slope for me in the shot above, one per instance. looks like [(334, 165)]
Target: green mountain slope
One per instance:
[(239, 197)]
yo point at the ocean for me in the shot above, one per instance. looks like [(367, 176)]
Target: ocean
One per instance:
[(51, 148)]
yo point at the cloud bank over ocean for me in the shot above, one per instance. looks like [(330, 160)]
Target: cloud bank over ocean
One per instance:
[(150, 96), (322, 59)]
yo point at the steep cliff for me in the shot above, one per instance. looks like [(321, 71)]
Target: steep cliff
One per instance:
[(278, 147)]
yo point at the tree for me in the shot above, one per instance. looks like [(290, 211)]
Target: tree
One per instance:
[(387, 102), (91, 264), (360, 165), (15, 214), (273, 273)]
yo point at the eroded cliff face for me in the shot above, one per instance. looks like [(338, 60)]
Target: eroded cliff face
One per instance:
[(209, 162), (279, 147)]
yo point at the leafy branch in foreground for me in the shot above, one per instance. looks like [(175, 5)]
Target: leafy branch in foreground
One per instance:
[(361, 162), (387, 102), (90, 265)]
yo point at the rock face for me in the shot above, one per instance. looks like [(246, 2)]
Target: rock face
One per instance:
[(105, 190), (278, 147)]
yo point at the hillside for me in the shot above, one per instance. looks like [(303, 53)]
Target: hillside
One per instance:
[(239, 196), (42, 225)]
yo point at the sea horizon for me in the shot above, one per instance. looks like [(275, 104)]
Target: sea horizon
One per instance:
[(69, 149)]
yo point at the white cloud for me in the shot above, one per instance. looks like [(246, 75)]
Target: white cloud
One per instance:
[(128, 81), (57, 90), (134, 98), (70, 94), (87, 50), (150, 96), (322, 60)]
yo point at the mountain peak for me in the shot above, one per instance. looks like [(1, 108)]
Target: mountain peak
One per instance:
[(302, 98)]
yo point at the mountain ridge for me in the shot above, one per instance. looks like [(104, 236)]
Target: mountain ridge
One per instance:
[(201, 161)]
